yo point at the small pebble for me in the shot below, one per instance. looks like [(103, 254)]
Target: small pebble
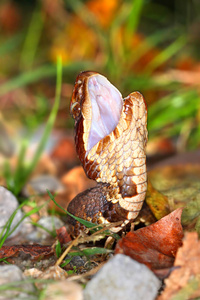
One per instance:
[(77, 261)]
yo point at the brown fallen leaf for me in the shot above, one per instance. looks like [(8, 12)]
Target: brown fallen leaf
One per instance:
[(63, 236), (65, 150), (36, 250), (64, 155), (159, 147), (157, 202), (184, 281), (76, 182), (155, 245)]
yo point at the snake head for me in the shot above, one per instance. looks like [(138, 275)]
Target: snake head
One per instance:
[(96, 106)]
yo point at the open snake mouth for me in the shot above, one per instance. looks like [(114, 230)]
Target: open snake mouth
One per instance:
[(110, 137), (107, 104)]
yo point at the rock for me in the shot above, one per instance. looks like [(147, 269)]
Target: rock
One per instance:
[(7, 146), (77, 261), (122, 278), (9, 203), (40, 184), (63, 290), (9, 274), (50, 223)]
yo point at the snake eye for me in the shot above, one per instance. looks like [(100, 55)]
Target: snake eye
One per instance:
[(75, 110)]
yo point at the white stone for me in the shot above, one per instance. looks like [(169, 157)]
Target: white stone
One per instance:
[(50, 223), (63, 290), (12, 274), (8, 204), (122, 278)]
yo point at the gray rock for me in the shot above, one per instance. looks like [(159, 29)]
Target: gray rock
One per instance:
[(63, 290), (41, 183), (10, 275), (122, 278), (50, 223), (8, 203), (7, 146), (77, 261)]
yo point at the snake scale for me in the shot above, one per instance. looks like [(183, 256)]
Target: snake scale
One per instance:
[(110, 138)]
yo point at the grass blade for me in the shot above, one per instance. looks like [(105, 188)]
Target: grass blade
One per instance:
[(46, 71), (90, 251), (11, 44), (19, 183), (32, 39), (165, 54), (134, 16), (6, 232)]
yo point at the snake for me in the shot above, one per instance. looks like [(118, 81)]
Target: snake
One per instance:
[(110, 139)]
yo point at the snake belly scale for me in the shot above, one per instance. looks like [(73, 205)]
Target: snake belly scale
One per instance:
[(110, 138)]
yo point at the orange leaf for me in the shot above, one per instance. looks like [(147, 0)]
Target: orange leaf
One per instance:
[(184, 281), (35, 251), (157, 202), (103, 10), (63, 236), (155, 245)]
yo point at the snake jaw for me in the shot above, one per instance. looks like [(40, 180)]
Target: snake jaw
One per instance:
[(106, 102), (97, 104)]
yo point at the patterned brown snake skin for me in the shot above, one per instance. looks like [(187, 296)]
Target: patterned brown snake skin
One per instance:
[(110, 138)]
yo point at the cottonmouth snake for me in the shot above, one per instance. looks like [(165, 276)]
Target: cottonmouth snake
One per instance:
[(110, 138)]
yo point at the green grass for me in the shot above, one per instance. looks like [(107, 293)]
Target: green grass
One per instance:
[(7, 231), (16, 181)]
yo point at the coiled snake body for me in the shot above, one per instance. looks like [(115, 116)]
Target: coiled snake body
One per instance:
[(110, 138)]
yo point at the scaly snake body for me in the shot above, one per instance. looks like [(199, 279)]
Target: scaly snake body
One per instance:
[(110, 138)]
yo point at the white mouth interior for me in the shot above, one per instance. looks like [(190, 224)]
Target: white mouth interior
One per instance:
[(107, 106)]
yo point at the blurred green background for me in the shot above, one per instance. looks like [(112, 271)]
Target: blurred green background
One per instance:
[(147, 45)]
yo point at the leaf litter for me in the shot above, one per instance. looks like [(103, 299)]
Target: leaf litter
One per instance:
[(155, 245), (184, 280)]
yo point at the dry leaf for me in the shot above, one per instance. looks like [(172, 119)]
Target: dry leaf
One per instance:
[(76, 181), (63, 236), (185, 279), (36, 251), (65, 151), (155, 245), (157, 202), (103, 10)]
